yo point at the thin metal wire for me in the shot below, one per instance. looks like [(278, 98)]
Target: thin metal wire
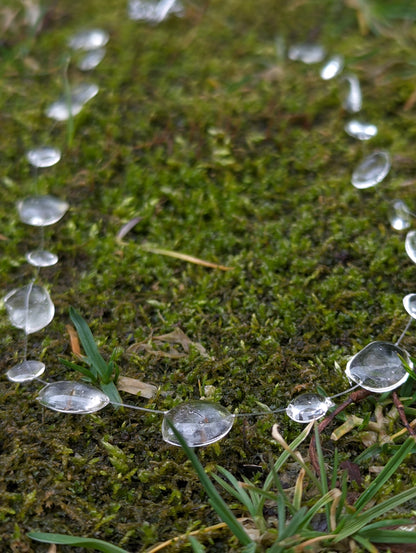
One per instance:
[(139, 408), (406, 328), (260, 413), (345, 391)]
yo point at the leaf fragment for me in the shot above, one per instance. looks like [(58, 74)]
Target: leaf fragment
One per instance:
[(136, 387), (175, 338)]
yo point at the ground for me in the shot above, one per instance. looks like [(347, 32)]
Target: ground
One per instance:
[(227, 151)]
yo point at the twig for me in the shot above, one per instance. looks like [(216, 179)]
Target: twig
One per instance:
[(185, 257), (164, 544), (403, 418), (354, 397)]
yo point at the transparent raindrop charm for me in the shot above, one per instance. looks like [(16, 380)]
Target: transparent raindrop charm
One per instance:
[(42, 258), (89, 39), (399, 215), (25, 371), (378, 367), (153, 11), (200, 423), (371, 171), (332, 68), (41, 211), (29, 308), (308, 407), (67, 107), (353, 98), (360, 130), (409, 303), (410, 245), (72, 397), (91, 59), (83, 93), (62, 110), (43, 157), (307, 53)]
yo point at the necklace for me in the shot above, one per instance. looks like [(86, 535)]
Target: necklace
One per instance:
[(378, 368)]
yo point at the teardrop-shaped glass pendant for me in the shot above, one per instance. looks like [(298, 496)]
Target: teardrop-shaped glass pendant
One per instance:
[(200, 423), (26, 371), (30, 308), (308, 407), (72, 397), (42, 258), (399, 215), (41, 211), (360, 130), (372, 170), (44, 156), (410, 245), (409, 303), (332, 68), (378, 367)]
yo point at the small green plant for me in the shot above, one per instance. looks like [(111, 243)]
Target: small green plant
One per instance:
[(294, 532), (100, 372)]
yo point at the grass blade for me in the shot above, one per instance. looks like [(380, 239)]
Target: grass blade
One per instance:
[(389, 469), (83, 370), (235, 489), (196, 546), (88, 343), (389, 536), (357, 522), (111, 391), (216, 501), (88, 543)]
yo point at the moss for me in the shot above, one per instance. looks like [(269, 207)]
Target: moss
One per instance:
[(226, 151)]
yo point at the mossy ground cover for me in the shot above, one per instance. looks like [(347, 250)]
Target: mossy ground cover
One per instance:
[(228, 152)]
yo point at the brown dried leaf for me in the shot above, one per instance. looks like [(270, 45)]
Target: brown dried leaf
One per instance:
[(176, 338), (410, 102), (148, 348), (7, 16), (353, 471), (136, 387), (74, 340)]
